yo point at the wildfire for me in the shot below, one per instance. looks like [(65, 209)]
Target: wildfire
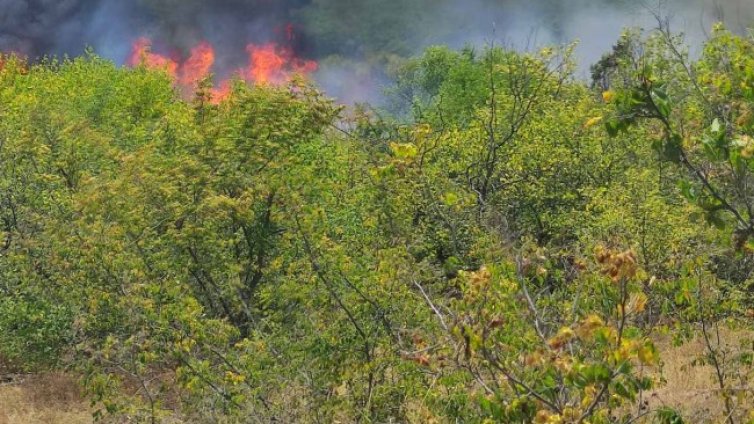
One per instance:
[(141, 54), (268, 63), (198, 65), (271, 64), (265, 63)]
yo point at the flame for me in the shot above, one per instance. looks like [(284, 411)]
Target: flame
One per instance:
[(17, 60), (221, 92), (198, 65), (141, 54), (266, 63), (269, 64), (304, 67)]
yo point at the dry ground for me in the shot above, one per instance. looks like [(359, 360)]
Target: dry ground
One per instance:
[(42, 399), (693, 389), (55, 398)]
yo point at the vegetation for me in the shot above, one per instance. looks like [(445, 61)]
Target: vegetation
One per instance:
[(509, 244)]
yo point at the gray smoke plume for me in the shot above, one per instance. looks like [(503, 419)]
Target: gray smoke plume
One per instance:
[(40, 27), (352, 39), (33, 26)]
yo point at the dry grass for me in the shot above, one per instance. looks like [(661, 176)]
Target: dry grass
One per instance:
[(43, 399), (687, 386), (693, 389)]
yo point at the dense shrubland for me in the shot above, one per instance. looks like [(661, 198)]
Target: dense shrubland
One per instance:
[(507, 245)]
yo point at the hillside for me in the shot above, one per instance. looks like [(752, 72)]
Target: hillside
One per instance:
[(502, 242)]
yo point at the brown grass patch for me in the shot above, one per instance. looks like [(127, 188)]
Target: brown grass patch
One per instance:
[(43, 399), (692, 388)]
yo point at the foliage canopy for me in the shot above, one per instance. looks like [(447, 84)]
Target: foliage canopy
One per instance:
[(509, 246)]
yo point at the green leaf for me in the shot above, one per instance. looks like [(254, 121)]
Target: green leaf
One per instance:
[(670, 149), (716, 128), (688, 190), (669, 416), (623, 391), (660, 99)]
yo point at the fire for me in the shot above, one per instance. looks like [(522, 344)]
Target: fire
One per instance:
[(304, 67), (271, 64), (198, 65), (221, 92), (268, 64), (141, 54)]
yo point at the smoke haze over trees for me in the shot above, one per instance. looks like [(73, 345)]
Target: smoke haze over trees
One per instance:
[(354, 40), (337, 27)]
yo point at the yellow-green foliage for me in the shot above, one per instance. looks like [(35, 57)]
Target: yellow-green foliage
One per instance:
[(505, 248)]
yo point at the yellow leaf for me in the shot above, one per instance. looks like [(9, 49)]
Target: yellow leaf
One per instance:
[(592, 122), (564, 335), (637, 303), (647, 354), (404, 150), (450, 199), (589, 325)]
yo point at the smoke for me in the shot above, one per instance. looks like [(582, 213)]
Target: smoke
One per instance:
[(352, 39), (40, 27), (33, 26), (594, 24)]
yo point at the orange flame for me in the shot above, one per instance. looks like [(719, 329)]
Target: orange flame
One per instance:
[(221, 92), (268, 64), (304, 67), (141, 54), (271, 64), (198, 65)]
